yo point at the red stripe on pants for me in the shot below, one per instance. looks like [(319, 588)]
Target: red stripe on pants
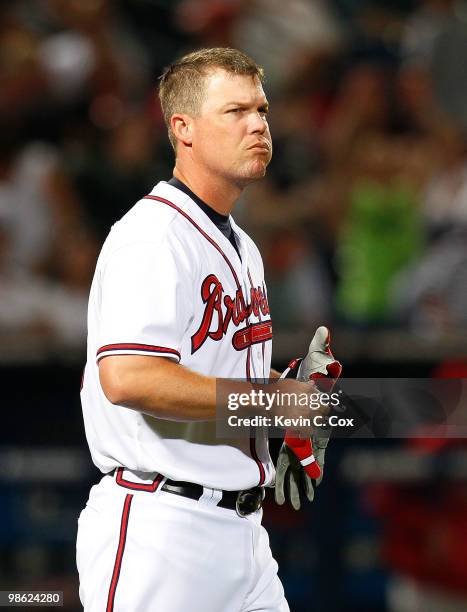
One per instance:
[(120, 551)]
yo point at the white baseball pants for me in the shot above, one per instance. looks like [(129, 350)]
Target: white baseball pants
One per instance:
[(140, 551)]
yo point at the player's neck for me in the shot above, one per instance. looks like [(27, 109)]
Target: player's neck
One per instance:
[(220, 195)]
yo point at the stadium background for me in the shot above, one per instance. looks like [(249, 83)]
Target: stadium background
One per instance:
[(362, 222)]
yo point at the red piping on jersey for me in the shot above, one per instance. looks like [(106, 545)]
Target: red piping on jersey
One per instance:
[(254, 454), (120, 551), (146, 348), (208, 238), (137, 486), (249, 276), (259, 316)]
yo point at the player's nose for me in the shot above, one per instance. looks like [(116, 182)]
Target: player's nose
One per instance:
[(258, 123)]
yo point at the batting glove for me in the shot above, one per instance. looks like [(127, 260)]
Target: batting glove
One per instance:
[(300, 463)]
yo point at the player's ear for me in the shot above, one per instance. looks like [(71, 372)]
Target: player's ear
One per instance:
[(182, 128)]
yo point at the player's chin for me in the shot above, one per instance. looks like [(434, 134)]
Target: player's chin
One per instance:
[(257, 168)]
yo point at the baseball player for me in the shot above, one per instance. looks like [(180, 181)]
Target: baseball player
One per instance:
[(178, 300)]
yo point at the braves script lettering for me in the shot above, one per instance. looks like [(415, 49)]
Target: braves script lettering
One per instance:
[(221, 310)]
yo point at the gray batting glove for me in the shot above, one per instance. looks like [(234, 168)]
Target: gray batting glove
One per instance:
[(292, 480)]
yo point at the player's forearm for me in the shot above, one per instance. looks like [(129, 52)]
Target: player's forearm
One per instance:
[(164, 389), (159, 387)]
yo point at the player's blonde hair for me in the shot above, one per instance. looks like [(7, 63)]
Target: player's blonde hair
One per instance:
[(182, 84)]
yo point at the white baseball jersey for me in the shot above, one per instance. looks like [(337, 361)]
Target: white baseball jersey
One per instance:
[(168, 283)]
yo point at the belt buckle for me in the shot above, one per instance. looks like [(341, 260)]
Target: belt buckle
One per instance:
[(250, 499)]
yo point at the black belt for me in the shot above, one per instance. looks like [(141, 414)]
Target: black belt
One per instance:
[(244, 502)]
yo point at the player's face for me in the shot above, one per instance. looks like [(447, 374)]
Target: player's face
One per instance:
[(231, 134)]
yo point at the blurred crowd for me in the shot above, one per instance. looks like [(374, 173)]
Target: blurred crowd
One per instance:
[(362, 219)]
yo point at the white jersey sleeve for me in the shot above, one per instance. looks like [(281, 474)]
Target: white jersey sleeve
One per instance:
[(144, 310)]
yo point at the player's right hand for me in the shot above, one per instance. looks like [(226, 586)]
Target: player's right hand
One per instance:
[(319, 363)]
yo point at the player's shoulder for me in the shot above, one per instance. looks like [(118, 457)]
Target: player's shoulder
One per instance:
[(153, 219), (150, 218)]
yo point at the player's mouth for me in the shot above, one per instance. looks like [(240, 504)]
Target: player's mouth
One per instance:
[(260, 146)]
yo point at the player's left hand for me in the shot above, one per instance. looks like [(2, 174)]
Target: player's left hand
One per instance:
[(300, 463), (291, 478)]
